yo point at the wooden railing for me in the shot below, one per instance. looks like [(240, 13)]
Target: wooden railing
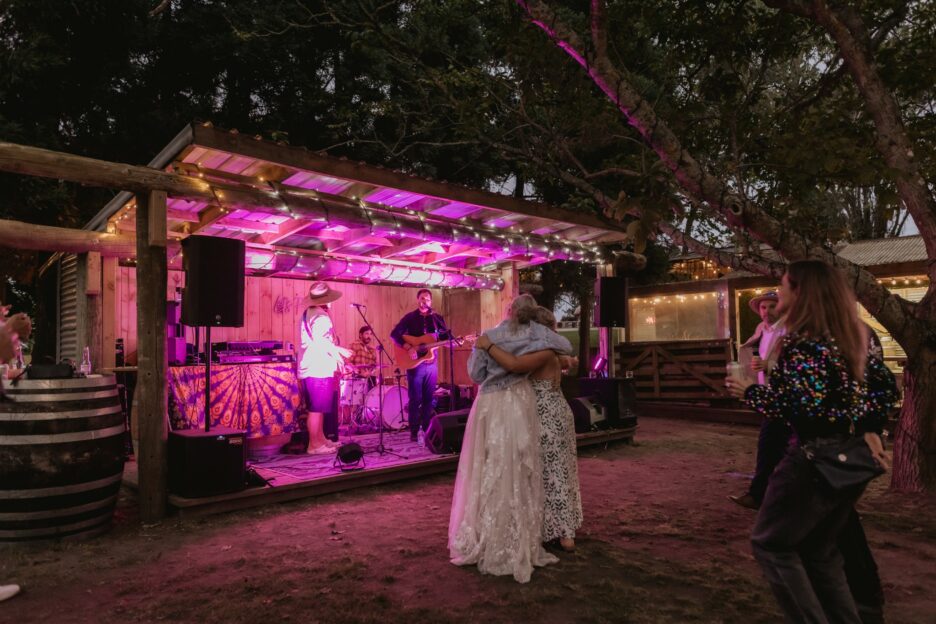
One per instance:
[(683, 370)]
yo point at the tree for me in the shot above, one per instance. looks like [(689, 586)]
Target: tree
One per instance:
[(912, 325)]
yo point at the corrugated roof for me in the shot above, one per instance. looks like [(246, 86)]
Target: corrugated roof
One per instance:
[(881, 251), (868, 253)]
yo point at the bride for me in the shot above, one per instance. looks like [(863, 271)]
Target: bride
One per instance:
[(496, 520)]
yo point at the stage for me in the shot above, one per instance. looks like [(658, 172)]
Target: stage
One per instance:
[(292, 477)]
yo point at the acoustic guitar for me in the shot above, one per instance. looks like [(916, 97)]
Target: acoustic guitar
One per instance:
[(423, 349)]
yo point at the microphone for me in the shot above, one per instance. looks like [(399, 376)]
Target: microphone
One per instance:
[(357, 305)]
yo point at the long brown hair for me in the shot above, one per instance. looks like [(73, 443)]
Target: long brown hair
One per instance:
[(824, 306)]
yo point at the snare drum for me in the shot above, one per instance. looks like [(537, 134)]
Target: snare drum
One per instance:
[(395, 401), (353, 390)]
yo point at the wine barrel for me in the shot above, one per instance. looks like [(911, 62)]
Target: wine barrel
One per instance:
[(61, 458)]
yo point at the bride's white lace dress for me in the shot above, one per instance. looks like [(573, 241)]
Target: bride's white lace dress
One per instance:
[(497, 508)]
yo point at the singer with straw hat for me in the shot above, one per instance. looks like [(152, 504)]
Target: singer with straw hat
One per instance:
[(320, 359)]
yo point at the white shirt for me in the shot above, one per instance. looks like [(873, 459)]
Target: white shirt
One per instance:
[(770, 335), (318, 354)]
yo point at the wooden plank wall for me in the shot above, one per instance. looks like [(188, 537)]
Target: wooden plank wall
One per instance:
[(273, 307)]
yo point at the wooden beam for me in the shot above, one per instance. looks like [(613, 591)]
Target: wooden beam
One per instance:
[(358, 190), (283, 230), (246, 225), (93, 282), (461, 250), (151, 392), (208, 217), (156, 230), (396, 250), (19, 235), (186, 216)]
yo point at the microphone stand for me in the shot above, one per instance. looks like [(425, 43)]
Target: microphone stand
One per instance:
[(381, 351)]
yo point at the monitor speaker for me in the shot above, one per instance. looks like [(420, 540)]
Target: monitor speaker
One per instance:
[(447, 431), (207, 463), (589, 414), (214, 281), (611, 302), (617, 395)]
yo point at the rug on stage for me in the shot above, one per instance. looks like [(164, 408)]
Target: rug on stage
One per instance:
[(303, 467)]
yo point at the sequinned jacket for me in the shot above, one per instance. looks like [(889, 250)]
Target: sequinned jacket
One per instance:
[(811, 388)]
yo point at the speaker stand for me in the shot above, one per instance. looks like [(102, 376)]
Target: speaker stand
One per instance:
[(207, 378)]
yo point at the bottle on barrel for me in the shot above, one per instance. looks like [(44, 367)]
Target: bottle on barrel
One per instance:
[(85, 367)]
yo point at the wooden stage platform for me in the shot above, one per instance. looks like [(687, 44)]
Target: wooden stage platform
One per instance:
[(292, 477)]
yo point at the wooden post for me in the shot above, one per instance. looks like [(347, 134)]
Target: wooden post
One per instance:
[(108, 311), (496, 304), (152, 280)]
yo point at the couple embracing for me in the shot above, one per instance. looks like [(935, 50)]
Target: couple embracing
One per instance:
[(517, 482)]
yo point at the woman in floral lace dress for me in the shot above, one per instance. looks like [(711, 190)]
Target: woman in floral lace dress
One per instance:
[(562, 514)]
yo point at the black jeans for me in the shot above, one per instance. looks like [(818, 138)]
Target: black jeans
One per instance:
[(794, 540), (772, 442)]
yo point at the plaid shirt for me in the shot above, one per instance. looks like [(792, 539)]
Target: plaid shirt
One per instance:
[(362, 354)]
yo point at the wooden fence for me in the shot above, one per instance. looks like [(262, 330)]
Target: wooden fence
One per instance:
[(683, 370)]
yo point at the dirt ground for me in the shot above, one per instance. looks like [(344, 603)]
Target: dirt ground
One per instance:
[(661, 543)]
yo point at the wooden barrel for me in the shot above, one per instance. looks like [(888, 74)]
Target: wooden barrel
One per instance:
[(61, 458)]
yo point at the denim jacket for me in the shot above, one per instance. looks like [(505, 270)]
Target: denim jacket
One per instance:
[(484, 370)]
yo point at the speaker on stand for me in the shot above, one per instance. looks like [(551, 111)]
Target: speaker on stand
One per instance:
[(611, 302), (204, 463)]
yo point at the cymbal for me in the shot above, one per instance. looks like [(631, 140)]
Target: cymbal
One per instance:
[(360, 366)]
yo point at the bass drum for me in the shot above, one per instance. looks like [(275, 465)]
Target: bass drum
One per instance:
[(395, 401)]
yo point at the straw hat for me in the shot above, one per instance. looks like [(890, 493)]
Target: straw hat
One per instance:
[(320, 294), (767, 296)]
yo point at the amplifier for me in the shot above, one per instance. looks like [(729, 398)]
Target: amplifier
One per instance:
[(207, 463), (247, 345), (236, 358)]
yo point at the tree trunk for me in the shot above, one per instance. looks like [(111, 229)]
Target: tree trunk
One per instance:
[(915, 436)]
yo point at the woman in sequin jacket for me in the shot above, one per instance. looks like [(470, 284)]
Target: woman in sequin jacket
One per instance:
[(828, 388)]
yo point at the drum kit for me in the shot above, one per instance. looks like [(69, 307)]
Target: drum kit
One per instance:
[(363, 399)]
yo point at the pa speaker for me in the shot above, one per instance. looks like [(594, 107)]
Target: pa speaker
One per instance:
[(203, 463), (617, 395), (611, 302), (447, 431), (214, 282)]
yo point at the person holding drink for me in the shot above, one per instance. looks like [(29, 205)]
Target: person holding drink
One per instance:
[(774, 433)]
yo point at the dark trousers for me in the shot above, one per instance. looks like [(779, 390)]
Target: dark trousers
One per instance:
[(861, 570), (772, 442), (794, 541), (422, 384)]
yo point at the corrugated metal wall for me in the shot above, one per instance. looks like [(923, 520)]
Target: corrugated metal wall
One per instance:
[(67, 346)]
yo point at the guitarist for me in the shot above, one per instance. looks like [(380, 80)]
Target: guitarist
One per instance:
[(422, 377)]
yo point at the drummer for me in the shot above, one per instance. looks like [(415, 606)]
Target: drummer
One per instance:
[(363, 360)]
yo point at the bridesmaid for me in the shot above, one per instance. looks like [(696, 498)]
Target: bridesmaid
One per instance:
[(563, 501)]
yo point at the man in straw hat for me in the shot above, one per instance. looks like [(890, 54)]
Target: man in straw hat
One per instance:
[(320, 358), (774, 433)]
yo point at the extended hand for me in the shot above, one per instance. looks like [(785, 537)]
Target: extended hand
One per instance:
[(757, 364), (736, 388), (483, 342), (874, 443)]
